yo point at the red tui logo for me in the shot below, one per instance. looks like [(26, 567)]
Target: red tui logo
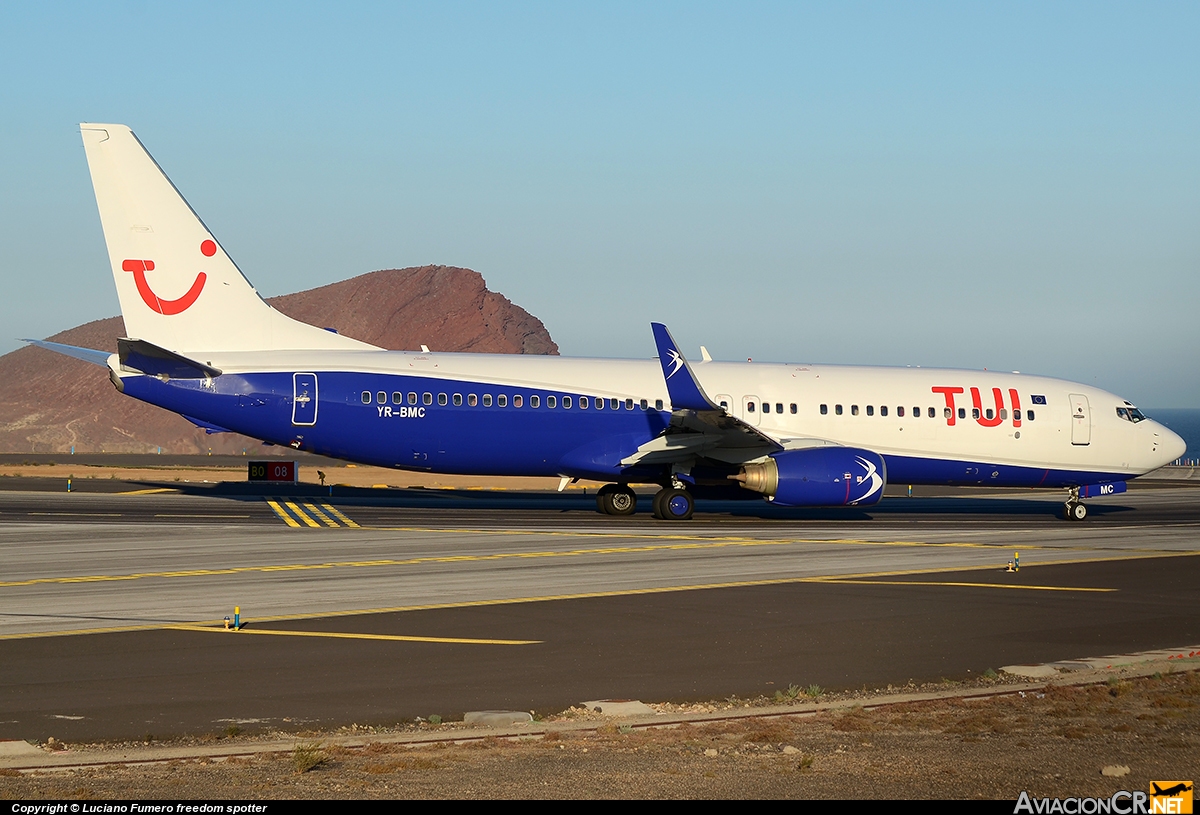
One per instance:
[(156, 303)]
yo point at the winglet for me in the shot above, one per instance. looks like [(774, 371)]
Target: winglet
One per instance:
[(682, 386)]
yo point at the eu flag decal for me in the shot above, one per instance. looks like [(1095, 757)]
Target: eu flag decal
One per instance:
[(1037, 400)]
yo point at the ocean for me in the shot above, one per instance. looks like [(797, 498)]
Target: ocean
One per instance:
[(1185, 422)]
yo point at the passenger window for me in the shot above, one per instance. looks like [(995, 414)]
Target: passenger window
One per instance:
[(614, 403), (397, 398), (551, 401), (366, 397), (658, 404), (518, 400), (1029, 415), (487, 400), (916, 413), (824, 410), (974, 413), (870, 410), (837, 409), (629, 404), (441, 399), (900, 412), (599, 403), (427, 398), (766, 407), (932, 413), (644, 404), (1017, 415), (472, 400), (381, 398), (1003, 413), (567, 402), (793, 407), (724, 404), (458, 400), (412, 398), (583, 403), (962, 413), (535, 401), (779, 407), (988, 413), (883, 410), (854, 410), (502, 400), (749, 407), (948, 413)]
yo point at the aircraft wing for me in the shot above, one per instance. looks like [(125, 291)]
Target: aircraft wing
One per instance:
[(699, 427)]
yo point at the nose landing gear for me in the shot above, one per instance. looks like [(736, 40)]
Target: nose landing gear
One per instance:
[(1074, 509)]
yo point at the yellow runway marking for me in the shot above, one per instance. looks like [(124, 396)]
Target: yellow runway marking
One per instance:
[(953, 583), (148, 492), (79, 514), (616, 550), (332, 510), (325, 519), (349, 636), (282, 513), (294, 515), (860, 577), (197, 515), (299, 513)]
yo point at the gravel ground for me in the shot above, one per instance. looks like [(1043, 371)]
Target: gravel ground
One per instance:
[(1054, 742)]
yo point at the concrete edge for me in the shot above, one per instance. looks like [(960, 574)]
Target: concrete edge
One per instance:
[(74, 759)]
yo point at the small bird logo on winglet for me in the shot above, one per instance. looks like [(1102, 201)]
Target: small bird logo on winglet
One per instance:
[(676, 362)]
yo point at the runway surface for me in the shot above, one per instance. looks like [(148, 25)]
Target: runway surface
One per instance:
[(373, 609)]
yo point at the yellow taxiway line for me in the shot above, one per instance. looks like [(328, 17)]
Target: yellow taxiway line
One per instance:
[(351, 636), (864, 577), (537, 554)]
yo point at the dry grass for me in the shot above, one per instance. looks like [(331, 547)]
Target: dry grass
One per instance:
[(307, 756)]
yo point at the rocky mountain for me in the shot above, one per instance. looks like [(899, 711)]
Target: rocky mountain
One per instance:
[(49, 403)]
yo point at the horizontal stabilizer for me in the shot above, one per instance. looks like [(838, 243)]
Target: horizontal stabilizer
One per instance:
[(150, 359), (86, 354), (682, 386)]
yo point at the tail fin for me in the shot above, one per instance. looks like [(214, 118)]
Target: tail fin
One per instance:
[(178, 288)]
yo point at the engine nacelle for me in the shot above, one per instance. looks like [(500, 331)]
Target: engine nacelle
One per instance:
[(818, 477)]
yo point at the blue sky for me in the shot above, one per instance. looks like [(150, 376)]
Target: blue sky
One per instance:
[(1011, 186)]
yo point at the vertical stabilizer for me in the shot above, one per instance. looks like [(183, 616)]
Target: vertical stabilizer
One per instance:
[(178, 288)]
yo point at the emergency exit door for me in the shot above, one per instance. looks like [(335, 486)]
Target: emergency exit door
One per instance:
[(304, 399)]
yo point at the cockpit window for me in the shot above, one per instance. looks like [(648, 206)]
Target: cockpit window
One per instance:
[(1131, 414)]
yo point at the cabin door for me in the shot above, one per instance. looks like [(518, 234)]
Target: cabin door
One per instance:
[(1081, 420), (304, 399)]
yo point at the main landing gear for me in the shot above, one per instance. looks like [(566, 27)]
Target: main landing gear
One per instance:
[(616, 499), (1074, 509), (673, 504), (670, 503)]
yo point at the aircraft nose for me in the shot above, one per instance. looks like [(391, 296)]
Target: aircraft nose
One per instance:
[(1171, 445)]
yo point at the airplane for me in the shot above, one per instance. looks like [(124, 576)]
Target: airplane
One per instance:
[(1170, 792), (202, 343)]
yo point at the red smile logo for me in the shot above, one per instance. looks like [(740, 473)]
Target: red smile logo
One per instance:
[(156, 303)]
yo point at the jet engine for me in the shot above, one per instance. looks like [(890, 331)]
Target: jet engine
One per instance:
[(817, 477)]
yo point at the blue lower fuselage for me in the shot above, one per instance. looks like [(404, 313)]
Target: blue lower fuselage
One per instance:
[(427, 424)]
